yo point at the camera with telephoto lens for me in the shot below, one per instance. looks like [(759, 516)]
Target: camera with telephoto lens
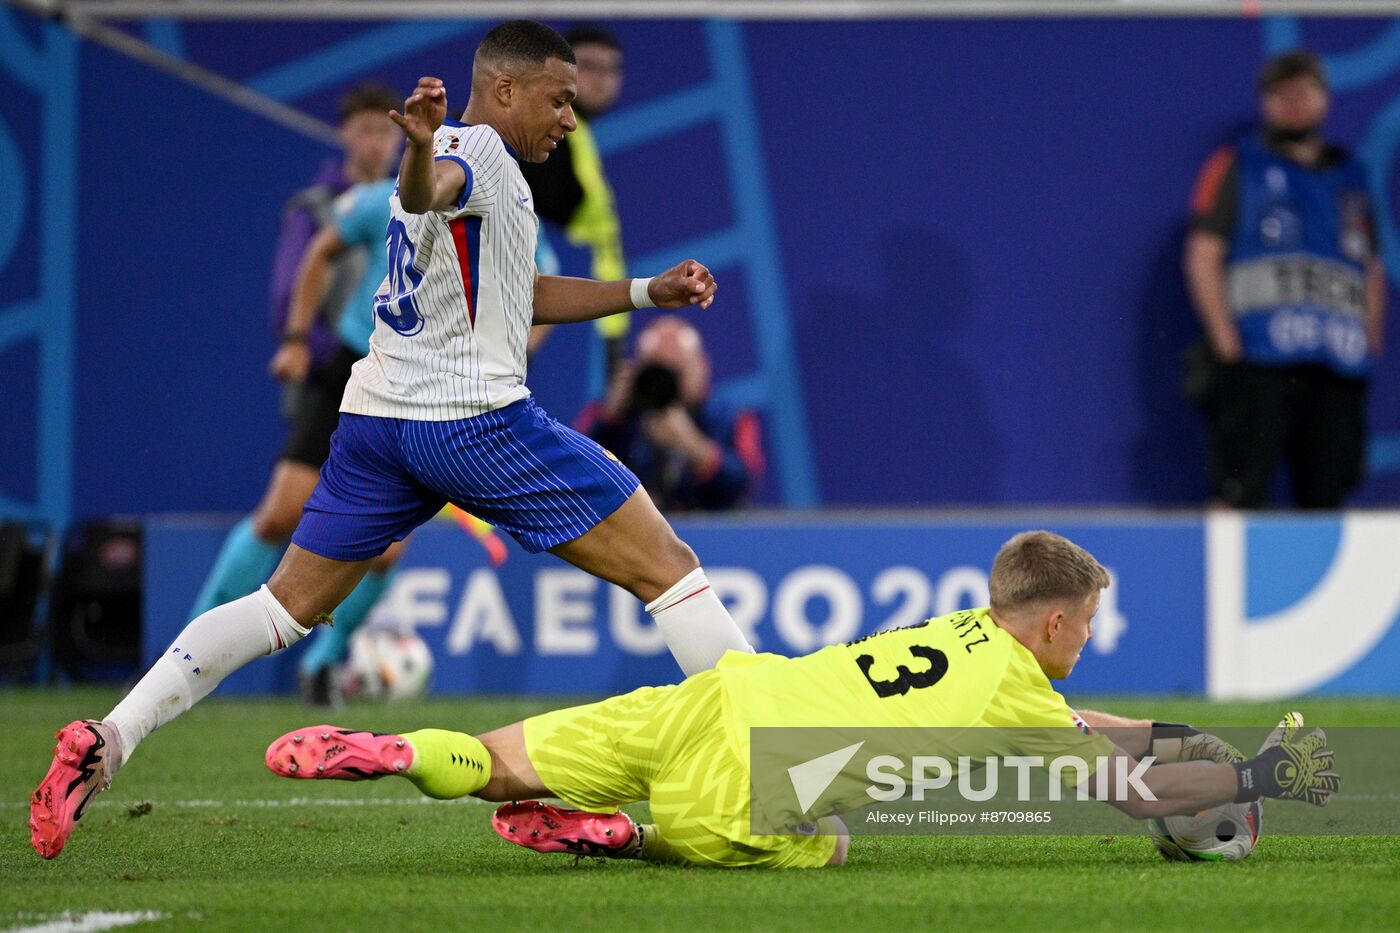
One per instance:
[(654, 388)]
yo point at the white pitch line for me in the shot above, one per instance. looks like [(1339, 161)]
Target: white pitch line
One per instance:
[(393, 802), (90, 922), (279, 804)]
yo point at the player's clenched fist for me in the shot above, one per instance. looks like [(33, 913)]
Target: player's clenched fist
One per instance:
[(423, 112), (292, 363), (689, 283)]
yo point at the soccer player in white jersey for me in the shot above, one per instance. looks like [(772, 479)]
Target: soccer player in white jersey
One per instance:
[(438, 412)]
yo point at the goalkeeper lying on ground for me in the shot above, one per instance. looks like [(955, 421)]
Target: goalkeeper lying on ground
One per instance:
[(685, 748)]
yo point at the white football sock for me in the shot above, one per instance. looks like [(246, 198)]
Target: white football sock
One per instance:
[(210, 648), (697, 627)]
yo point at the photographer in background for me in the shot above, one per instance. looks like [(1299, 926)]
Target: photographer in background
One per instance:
[(691, 452)]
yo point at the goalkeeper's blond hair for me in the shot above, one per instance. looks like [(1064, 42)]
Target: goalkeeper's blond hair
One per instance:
[(1041, 566)]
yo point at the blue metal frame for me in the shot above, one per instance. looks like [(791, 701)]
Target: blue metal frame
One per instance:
[(726, 99), (166, 35), (49, 69), (332, 65), (751, 243)]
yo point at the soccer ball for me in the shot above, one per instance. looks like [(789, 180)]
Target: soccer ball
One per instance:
[(387, 665), (1227, 833)]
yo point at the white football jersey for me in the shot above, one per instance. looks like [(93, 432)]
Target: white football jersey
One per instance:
[(453, 316)]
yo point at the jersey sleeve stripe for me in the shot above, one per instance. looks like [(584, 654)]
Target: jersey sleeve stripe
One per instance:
[(466, 237), (467, 186), (748, 441), (1208, 183)]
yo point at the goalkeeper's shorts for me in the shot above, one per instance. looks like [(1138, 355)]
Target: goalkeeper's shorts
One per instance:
[(671, 746)]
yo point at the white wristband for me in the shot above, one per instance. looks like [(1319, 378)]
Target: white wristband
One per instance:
[(640, 298)]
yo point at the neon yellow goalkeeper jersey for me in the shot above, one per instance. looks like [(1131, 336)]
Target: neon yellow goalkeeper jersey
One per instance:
[(958, 670)]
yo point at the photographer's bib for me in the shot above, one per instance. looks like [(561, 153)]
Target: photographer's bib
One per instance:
[(1296, 273)]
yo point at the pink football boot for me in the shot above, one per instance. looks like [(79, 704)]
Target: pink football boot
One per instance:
[(80, 769), (547, 828), (342, 754)]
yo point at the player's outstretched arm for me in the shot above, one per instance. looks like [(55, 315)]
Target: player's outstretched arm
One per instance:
[(1165, 790), (563, 300), (1290, 766), (1132, 735), (424, 184), (1165, 741), (292, 363)]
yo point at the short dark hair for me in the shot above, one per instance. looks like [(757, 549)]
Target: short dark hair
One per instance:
[(524, 40), (367, 96), (592, 35), (1298, 63)]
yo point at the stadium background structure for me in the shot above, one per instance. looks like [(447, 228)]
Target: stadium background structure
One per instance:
[(69, 458), (183, 833)]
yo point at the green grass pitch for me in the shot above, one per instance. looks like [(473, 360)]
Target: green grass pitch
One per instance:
[(197, 830)]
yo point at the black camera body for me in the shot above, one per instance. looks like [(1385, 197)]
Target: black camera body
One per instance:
[(654, 388)]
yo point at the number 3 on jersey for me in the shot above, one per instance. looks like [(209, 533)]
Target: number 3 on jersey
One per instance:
[(399, 308), (937, 666)]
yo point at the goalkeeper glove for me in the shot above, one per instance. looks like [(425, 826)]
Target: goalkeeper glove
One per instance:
[(1290, 766), (1289, 721), (1172, 742)]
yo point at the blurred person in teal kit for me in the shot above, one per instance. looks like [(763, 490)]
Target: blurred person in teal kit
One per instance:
[(360, 217), (1284, 270), (321, 304)]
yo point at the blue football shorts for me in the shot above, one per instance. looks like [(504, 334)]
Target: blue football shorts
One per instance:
[(515, 467)]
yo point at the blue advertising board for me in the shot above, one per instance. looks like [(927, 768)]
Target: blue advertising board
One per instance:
[(539, 626), (1302, 604)]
